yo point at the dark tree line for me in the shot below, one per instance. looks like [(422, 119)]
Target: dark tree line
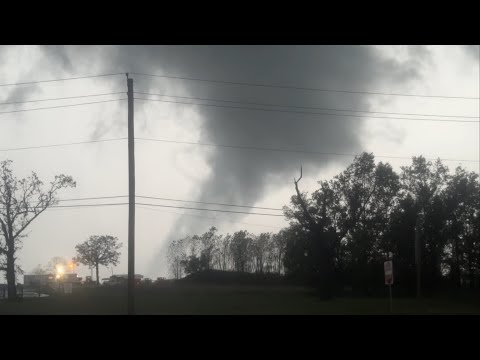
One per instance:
[(347, 226), (340, 234), (241, 251)]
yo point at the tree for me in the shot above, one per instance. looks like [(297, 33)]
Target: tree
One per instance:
[(400, 240), (364, 197), (240, 249), (278, 247), (208, 246), (192, 264), (98, 250), (260, 251), (426, 182), (294, 260), (21, 202), (176, 255), (462, 197), (341, 227), (55, 263), (340, 235), (39, 270), (317, 243), (223, 252)]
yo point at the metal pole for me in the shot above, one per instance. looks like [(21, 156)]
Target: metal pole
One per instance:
[(131, 202), (418, 256), (390, 287)]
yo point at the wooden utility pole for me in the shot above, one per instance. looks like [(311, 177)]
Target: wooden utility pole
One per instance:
[(418, 255), (131, 201)]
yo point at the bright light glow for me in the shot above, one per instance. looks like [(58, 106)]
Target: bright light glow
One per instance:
[(60, 270), (57, 277)]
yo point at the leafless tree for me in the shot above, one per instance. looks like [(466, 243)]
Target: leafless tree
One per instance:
[(21, 202)]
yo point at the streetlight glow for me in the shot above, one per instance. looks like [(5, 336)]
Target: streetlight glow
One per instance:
[(60, 270)]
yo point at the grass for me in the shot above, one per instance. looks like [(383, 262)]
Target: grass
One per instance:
[(198, 299)]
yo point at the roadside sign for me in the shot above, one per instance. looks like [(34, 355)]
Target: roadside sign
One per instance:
[(388, 267)]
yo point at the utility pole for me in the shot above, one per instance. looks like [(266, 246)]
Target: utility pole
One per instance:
[(131, 201), (418, 255)]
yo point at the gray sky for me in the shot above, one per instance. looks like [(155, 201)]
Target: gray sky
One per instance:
[(246, 177)]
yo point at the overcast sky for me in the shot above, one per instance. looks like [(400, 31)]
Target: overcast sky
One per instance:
[(225, 175)]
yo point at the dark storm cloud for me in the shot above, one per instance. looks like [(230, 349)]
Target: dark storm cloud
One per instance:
[(53, 54), (243, 176), (240, 176), (22, 93), (60, 54)]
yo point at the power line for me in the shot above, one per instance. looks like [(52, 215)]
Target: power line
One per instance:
[(306, 107), (80, 206), (166, 199), (225, 146), (144, 207), (60, 98), (59, 106), (306, 112), (208, 203), (207, 217), (215, 210), (170, 199), (62, 79), (168, 206), (57, 145), (84, 205), (302, 88), (242, 147), (95, 198)]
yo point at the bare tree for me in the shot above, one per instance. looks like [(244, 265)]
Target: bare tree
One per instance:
[(98, 250), (176, 256), (279, 243), (225, 252), (208, 245), (240, 249), (21, 202), (260, 251), (39, 270)]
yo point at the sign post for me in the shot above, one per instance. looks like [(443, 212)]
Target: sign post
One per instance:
[(388, 267)]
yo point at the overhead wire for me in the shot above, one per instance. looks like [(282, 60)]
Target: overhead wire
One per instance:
[(300, 87), (303, 107), (207, 217), (241, 147), (59, 106), (61, 79), (61, 98), (307, 112)]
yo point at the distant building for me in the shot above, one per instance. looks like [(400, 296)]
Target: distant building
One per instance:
[(49, 280), (71, 278), (38, 280), (122, 279)]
